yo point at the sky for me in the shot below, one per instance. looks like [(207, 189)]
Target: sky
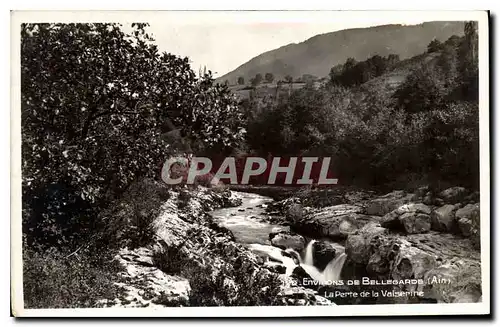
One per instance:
[(224, 44), (224, 40)]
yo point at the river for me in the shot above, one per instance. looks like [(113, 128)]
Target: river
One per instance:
[(249, 224)]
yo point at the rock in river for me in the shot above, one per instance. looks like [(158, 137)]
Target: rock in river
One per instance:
[(286, 240), (360, 246)]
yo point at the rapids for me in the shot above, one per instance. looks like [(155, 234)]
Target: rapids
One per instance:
[(250, 227)]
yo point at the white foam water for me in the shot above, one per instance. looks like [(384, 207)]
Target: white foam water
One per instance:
[(332, 270), (308, 258), (275, 253)]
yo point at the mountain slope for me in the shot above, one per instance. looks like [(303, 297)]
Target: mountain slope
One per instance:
[(318, 54)]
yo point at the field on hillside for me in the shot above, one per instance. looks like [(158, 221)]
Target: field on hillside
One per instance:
[(266, 89)]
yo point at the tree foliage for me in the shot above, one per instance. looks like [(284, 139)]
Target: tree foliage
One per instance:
[(269, 77), (434, 46), (256, 80), (425, 128), (355, 73), (97, 105)]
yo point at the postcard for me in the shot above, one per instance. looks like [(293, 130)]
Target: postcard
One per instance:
[(250, 163)]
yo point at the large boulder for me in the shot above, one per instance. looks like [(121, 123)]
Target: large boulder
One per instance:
[(468, 221), (412, 218), (387, 203), (453, 194), (294, 213), (302, 277), (397, 259), (443, 218), (448, 266), (285, 240), (360, 246), (387, 256), (415, 223), (336, 222), (323, 253), (455, 281)]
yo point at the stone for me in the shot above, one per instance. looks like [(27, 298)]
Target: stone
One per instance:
[(387, 203), (356, 197), (447, 257), (360, 246), (398, 259), (443, 218), (473, 197), (466, 217), (294, 213), (275, 268), (323, 253), (427, 200), (336, 222), (453, 195), (455, 281), (469, 223), (280, 229), (415, 223), (422, 191), (411, 218), (300, 275), (394, 215), (285, 240)]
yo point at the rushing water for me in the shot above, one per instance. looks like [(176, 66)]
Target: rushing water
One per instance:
[(248, 221), (249, 226), (331, 271)]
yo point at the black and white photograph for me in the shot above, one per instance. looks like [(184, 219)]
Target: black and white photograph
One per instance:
[(250, 163)]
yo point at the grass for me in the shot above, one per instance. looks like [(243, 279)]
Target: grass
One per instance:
[(52, 280), (59, 277)]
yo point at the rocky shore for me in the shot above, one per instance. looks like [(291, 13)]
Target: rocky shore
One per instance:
[(411, 246), (400, 236), (184, 224)]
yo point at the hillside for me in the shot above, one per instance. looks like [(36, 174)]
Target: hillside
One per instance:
[(386, 83), (318, 54)]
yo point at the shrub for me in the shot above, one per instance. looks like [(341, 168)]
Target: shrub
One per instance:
[(53, 280), (232, 287), (129, 220), (184, 198), (170, 259)]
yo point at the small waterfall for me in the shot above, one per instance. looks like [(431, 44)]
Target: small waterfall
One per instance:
[(334, 267), (332, 270), (292, 258), (308, 259)]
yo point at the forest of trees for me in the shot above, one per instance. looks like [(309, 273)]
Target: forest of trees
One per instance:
[(355, 73), (426, 130)]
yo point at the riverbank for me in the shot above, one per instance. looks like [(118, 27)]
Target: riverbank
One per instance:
[(195, 261), (399, 236), (217, 247)]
